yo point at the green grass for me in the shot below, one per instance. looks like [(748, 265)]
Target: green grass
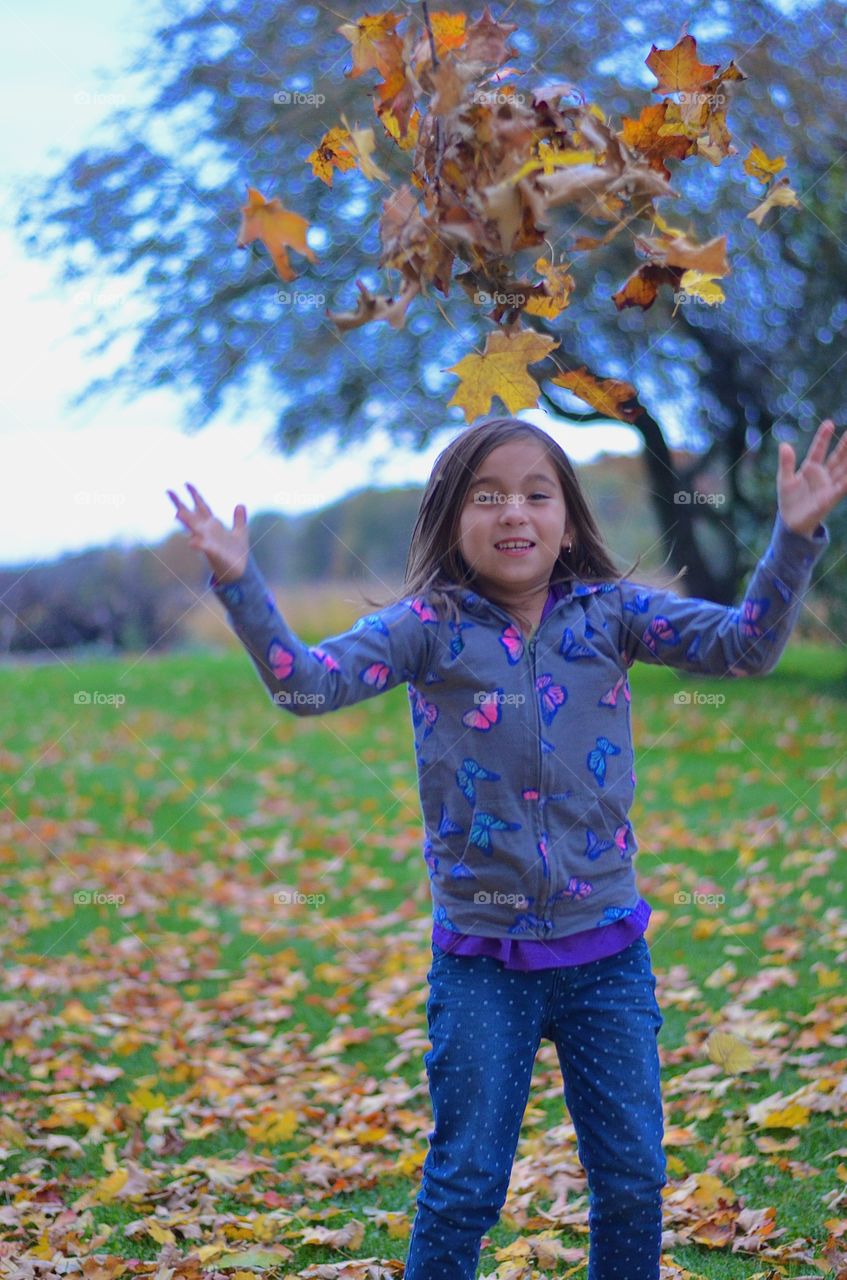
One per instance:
[(196, 800)]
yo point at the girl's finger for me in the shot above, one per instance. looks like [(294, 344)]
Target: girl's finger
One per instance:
[(198, 499), (820, 443), (840, 450)]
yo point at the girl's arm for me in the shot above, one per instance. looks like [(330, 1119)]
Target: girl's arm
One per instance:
[(698, 635), (378, 652)]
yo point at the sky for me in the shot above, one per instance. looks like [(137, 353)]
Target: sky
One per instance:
[(97, 475)]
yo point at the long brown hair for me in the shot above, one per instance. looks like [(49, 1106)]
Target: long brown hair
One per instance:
[(436, 568)]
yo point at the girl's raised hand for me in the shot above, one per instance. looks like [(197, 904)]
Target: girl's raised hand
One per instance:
[(225, 549), (807, 496)]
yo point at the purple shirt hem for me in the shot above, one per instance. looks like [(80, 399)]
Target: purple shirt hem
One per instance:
[(534, 953)]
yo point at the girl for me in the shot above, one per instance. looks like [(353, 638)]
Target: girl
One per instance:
[(515, 635)]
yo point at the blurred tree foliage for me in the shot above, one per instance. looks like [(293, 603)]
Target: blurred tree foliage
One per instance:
[(158, 206)]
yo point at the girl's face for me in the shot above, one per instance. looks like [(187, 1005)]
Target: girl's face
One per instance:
[(515, 495)]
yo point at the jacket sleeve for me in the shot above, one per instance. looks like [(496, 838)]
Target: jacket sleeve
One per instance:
[(738, 640), (378, 652)]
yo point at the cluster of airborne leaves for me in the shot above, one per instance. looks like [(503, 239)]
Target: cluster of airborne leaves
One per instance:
[(490, 162)]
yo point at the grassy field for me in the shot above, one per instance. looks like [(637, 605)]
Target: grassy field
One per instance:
[(213, 1063)]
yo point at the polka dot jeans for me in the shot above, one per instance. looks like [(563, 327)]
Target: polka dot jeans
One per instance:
[(485, 1024)]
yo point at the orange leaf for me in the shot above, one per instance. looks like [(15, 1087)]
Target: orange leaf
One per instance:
[(277, 228), (374, 43), (607, 395), (677, 69)]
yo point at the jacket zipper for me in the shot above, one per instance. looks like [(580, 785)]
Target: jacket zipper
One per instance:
[(539, 907)]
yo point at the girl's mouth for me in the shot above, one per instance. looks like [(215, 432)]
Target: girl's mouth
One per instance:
[(514, 546)]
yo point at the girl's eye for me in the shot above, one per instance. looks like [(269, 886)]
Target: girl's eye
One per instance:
[(540, 495)]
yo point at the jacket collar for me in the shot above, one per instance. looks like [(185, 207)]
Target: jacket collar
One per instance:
[(576, 587)]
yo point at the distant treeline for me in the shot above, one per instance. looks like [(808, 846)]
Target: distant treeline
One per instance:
[(140, 598), (137, 598)]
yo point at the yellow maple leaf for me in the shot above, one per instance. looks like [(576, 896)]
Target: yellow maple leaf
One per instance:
[(501, 371), (729, 1052), (761, 166), (107, 1188), (794, 1116), (330, 154), (160, 1234), (145, 1100), (561, 285), (701, 284), (277, 1126), (710, 1190)]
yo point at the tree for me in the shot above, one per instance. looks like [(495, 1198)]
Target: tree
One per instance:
[(164, 213)]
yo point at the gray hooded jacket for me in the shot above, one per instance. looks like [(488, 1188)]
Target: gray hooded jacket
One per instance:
[(524, 748)]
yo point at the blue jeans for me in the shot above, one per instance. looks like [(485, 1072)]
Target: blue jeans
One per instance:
[(485, 1025)]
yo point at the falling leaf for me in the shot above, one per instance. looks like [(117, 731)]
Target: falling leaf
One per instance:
[(780, 195), (277, 228), (761, 166), (501, 370), (607, 395), (362, 145), (677, 69)]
